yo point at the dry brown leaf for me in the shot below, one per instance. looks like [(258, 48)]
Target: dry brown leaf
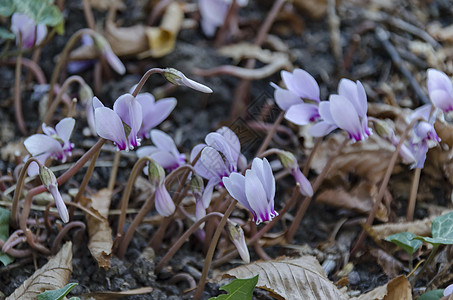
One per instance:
[(104, 5), (396, 289), (100, 233), (12, 151), (162, 39), (445, 132), (53, 275), (389, 264), (380, 232), (315, 9), (300, 278), (117, 295), (126, 40), (360, 199)]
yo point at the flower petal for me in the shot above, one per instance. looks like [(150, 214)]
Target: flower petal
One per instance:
[(438, 80), (256, 197), (163, 202), (164, 142), (305, 85), (211, 165), (64, 128), (354, 93), (284, 98), (263, 170), (345, 116), (219, 143), (207, 192), (39, 144), (235, 185), (109, 126), (442, 100), (321, 128), (154, 112), (302, 114), (130, 112)]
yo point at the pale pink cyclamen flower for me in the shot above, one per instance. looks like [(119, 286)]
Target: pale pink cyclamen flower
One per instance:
[(255, 190), (440, 90), (219, 158), (30, 33), (102, 45), (289, 162), (164, 152), (448, 290), (120, 125), (301, 98), (347, 111), (162, 199), (49, 180), (154, 112), (213, 14), (54, 143)]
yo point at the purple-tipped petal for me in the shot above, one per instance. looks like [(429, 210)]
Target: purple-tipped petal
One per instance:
[(302, 114), (154, 112), (354, 93), (284, 98), (130, 112), (321, 128), (163, 202), (442, 100), (109, 126), (256, 197), (345, 116), (64, 128)]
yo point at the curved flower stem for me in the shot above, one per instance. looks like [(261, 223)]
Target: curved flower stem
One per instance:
[(184, 238), (210, 254), (270, 134), (307, 200), (86, 177), (73, 205), (63, 232), (146, 208), (17, 94), (144, 78), (54, 105), (209, 229), (383, 186), (264, 230), (16, 252), (114, 171), (64, 56), (127, 193), (88, 14), (18, 191), (413, 195), (30, 65), (310, 157)]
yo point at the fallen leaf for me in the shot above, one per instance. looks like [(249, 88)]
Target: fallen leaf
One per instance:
[(104, 5), (380, 232), (126, 40), (162, 39), (300, 278), (53, 275), (315, 9), (359, 199), (100, 233), (396, 289), (117, 295), (389, 264)]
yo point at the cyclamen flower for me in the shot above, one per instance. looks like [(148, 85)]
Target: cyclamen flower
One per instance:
[(213, 13), (120, 125), (49, 180), (440, 90), (162, 199), (219, 158), (448, 290), (289, 162), (164, 152), (154, 112), (347, 111), (30, 33), (255, 190), (54, 143)]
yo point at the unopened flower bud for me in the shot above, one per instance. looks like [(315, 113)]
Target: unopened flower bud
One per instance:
[(103, 45), (178, 78), (383, 129), (163, 202), (86, 93), (289, 162), (237, 237), (50, 182), (197, 185), (156, 173)]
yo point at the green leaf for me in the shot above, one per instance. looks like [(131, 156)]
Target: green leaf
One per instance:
[(4, 234), (432, 295), (6, 8), (442, 231), (42, 11), (6, 34), (56, 294), (238, 289), (405, 240)]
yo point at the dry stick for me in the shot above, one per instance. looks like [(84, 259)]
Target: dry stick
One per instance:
[(307, 200), (383, 186), (383, 37), (64, 56), (335, 35), (210, 254), (413, 195), (17, 94), (54, 105), (244, 85), (146, 208)]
